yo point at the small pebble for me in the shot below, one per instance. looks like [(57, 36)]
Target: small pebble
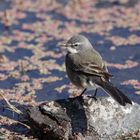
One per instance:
[(112, 48)]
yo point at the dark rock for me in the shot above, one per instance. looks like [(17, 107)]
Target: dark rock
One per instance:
[(84, 118)]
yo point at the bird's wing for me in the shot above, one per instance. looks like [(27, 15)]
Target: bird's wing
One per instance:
[(93, 65), (92, 69)]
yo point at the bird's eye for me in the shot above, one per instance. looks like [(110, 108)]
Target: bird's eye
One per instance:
[(76, 44)]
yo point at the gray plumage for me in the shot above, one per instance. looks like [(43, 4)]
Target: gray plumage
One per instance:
[(86, 68)]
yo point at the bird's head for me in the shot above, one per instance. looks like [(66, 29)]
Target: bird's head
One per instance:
[(77, 43)]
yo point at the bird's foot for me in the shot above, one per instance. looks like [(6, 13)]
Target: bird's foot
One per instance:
[(78, 97), (94, 97)]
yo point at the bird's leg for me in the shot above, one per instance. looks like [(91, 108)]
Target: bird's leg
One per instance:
[(83, 92), (94, 96), (80, 96), (95, 93)]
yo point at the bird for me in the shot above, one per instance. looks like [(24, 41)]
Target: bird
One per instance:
[(86, 69)]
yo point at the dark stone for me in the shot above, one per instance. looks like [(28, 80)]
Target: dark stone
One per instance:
[(83, 118)]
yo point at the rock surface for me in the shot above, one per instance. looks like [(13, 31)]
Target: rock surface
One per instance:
[(84, 118)]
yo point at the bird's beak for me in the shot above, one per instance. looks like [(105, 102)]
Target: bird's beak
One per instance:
[(62, 44), (65, 45)]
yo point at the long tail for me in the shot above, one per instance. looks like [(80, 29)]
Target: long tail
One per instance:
[(115, 93)]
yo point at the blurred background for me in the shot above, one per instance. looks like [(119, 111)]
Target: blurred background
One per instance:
[(32, 66)]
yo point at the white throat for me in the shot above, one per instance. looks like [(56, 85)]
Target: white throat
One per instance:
[(72, 50)]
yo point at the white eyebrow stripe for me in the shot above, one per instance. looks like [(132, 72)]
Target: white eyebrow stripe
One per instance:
[(77, 43)]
